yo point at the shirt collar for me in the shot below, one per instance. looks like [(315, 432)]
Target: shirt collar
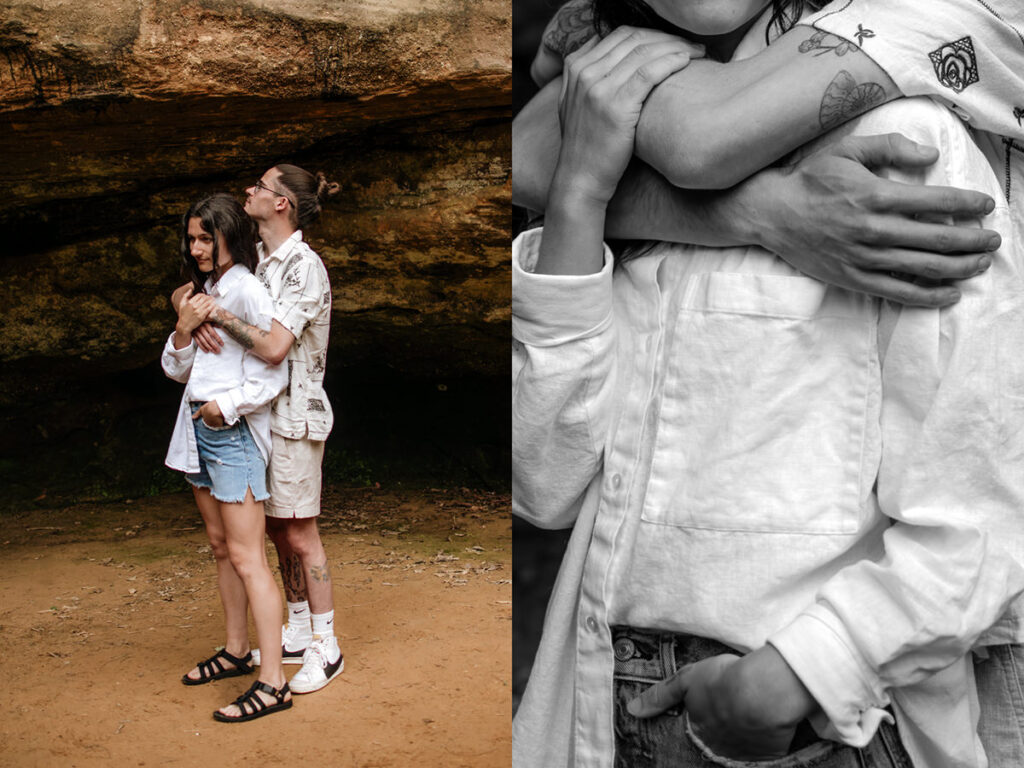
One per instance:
[(227, 281), (284, 248)]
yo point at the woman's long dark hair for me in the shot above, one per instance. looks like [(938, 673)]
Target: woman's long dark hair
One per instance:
[(218, 214), (609, 14)]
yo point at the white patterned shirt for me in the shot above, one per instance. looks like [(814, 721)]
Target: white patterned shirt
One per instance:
[(298, 283)]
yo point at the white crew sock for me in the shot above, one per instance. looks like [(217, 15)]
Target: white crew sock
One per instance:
[(298, 616), (323, 625)]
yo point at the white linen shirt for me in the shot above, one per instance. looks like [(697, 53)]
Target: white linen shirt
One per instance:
[(752, 456), (298, 282), (241, 383)]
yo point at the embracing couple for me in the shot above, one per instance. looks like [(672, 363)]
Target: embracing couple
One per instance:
[(797, 504), (250, 345)]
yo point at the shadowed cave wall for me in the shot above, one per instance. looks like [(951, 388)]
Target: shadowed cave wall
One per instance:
[(115, 115)]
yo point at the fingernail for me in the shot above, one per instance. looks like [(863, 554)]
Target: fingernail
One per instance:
[(990, 205), (994, 242), (633, 707), (984, 263)]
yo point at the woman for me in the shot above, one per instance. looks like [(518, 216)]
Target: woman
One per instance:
[(714, 426), (222, 442)]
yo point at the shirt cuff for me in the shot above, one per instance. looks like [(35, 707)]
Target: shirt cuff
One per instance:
[(820, 651), (182, 354), (228, 408), (548, 310)]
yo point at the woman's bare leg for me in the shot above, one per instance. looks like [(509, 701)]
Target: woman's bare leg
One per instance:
[(232, 591), (244, 526)]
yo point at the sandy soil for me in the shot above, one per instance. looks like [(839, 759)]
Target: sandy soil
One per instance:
[(104, 607)]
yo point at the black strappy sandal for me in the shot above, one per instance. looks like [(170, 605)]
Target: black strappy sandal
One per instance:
[(213, 669), (252, 706)]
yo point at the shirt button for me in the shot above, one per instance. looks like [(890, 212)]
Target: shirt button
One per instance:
[(616, 480), (591, 623)]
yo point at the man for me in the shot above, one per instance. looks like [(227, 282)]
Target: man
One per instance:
[(285, 199), (922, 55)]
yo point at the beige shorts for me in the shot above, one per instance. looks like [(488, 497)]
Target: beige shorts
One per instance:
[(293, 478)]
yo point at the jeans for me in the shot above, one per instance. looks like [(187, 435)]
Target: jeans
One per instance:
[(999, 679), (644, 657)]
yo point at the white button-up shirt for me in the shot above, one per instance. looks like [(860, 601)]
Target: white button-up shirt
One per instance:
[(752, 456), (298, 282), (241, 383)]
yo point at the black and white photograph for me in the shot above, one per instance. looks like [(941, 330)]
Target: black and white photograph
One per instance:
[(768, 390)]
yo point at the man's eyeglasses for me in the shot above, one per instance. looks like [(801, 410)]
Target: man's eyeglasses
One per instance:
[(260, 185)]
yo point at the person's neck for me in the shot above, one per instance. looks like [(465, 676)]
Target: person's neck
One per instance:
[(273, 233), (722, 47)]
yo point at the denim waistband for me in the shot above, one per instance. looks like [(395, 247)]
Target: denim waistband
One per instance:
[(647, 655)]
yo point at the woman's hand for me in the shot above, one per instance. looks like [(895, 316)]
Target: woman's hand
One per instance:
[(210, 413), (603, 90), (191, 314), (741, 708)]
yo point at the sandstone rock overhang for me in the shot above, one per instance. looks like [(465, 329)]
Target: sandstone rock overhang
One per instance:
[(114, 114)]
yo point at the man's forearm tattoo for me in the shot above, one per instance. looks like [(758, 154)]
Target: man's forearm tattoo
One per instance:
[(845, 99), (321, 573), (573, 26), (241, 332)]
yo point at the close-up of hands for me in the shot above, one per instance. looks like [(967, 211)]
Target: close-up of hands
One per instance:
[(831, 217)]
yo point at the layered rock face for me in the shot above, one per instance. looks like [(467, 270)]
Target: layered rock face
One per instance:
[(116, 114)]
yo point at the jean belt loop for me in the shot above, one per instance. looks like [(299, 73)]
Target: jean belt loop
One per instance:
[(668, 655)]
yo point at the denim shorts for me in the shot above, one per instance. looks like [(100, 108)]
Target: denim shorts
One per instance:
[(644, 657), (230, 462)]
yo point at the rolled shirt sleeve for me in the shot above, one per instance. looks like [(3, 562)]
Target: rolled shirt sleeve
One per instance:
[(970, 55), (563, 353), (303, 288), (177, 363)]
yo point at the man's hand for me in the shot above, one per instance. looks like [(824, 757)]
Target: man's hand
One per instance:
[(205, 336), (741, 708), (833, 219), (210, 413)]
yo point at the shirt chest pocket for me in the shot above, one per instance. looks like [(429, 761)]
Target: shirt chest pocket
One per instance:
[(761, 422)]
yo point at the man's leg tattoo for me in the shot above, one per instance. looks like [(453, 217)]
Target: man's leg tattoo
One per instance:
[(291, 576), (320, 573)]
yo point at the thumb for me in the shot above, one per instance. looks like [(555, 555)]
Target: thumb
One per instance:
[(889, 149), (197, 414), (661, 696)]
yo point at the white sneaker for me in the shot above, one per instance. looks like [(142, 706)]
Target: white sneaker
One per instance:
[(294, 642), (318, 669)]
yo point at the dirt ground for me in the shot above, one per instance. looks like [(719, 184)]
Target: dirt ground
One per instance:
[(104, 607)]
